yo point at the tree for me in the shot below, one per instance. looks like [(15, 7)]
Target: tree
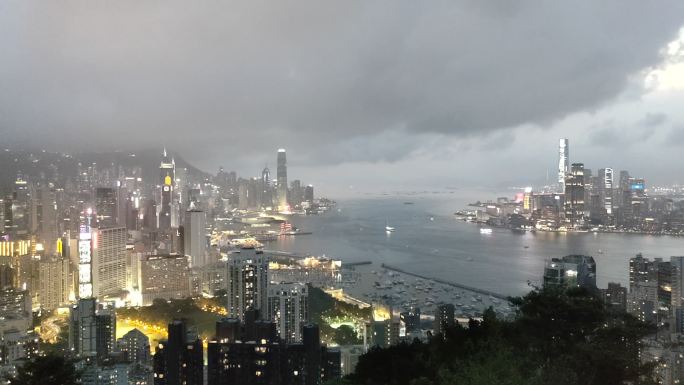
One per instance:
[(50, 369), (559, 336), (346, 335)]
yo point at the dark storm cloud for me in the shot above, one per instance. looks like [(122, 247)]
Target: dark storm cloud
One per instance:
[(219, 80), (620, 135)]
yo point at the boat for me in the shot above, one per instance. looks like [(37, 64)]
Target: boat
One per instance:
[(389, 228), (485, 231)]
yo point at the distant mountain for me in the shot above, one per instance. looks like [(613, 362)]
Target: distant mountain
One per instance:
[(41, 165)]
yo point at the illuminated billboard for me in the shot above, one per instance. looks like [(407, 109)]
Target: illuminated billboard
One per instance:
[(637, 186)]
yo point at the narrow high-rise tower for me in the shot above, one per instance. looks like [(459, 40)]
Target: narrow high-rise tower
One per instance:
[(563, 162), (167, 171), (282, 179)]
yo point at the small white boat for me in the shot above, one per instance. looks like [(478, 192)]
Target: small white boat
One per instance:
[(485, 231), (388, 228)]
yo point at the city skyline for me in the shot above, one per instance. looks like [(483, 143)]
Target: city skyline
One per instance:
[(409, 106), (341, 193)]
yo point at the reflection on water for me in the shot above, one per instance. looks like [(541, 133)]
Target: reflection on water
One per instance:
[(429, 240)]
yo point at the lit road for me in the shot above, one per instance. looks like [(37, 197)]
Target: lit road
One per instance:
[(49, 329)]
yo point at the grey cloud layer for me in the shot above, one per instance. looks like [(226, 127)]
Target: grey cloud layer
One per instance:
[(210, 78)]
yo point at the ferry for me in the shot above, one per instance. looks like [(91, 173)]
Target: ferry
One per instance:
[(485, 231)]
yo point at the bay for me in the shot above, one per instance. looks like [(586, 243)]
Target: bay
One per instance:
[(430, 240)]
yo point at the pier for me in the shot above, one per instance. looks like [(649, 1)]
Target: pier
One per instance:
[(352, 264), (454, 284)]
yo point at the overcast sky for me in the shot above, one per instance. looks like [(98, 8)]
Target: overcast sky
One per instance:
[(396, 94)]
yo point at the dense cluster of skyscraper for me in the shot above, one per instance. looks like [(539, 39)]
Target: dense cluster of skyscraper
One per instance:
[(583, 200), (108, 236)]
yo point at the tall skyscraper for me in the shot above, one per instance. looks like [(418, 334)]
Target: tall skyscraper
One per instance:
[(574, 195), (85, 259), (288, 307), (109, 261), (23, 211), (309, 194), (105, 207), (195, 238), (55, 282), (265, 190), (46, 215), (92, 329), (247, 282), (563, 162), (282, 179), (606, 189), (642, 300), (167, 171)]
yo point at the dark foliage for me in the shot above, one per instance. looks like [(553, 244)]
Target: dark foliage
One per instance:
[(562, 337), (50, 369)]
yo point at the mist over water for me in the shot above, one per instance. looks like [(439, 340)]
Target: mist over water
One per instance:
[(448, 248)]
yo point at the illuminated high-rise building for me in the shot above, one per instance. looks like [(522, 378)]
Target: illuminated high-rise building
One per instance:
[(247, 282), (288, 307), (282, 179), (163, 277), (92, 329), (563, 162), (108, 261), (85, 259), (167, 171), (55, 282), (605, 189), (574, 195)]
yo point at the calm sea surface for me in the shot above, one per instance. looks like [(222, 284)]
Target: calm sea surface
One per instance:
[(429, 240)]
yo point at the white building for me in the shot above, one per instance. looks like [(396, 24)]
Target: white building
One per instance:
[(195, 237), (563, 162), (108, 261)]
